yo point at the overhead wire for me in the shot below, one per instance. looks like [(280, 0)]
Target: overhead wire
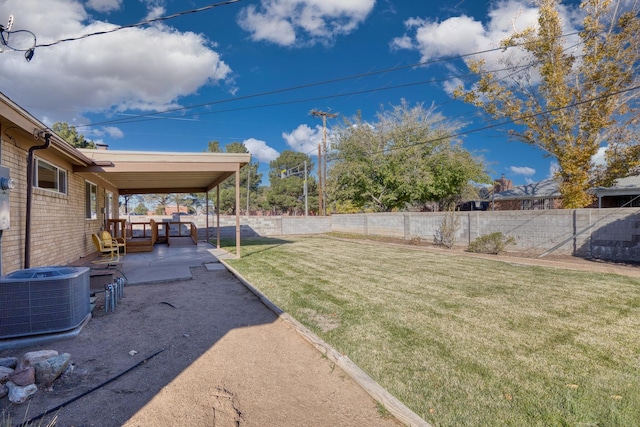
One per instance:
[(153, 116), (508, 121), (139, 24), (309, 85)]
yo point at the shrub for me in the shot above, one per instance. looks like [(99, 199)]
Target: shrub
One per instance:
[(493, 243), (446, 233)]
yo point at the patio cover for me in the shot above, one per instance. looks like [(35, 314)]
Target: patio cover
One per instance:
[(142, 172)]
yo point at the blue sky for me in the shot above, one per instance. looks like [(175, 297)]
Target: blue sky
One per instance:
[(251, 71)]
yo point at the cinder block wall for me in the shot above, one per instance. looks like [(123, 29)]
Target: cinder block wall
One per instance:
[(611, 234)]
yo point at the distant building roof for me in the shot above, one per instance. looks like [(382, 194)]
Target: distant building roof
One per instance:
[(547, 188), (621, 187)]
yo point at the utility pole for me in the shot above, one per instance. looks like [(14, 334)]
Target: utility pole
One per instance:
[(322, 174), (320, 204)]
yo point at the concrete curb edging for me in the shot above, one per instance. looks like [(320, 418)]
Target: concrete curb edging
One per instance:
[(377, 392)]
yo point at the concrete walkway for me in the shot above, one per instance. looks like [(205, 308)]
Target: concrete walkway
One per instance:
[(168, 263)]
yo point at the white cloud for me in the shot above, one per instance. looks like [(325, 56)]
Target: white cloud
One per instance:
[(304, 139), (599, 158), (452, 84), (146, 68), (522, 170), (461, 35), (260, 150), (104, 5), (554, 167), (112, 131), (290, 22)]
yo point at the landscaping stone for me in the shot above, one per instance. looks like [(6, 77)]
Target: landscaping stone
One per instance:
[(18, 394), (5, 373), (37, 367), (9, 362), (47, 371), (33, 357), (24, 377)]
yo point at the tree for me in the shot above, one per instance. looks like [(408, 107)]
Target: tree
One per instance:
[(71, 135), (180, 199), (286, 175), (140, 209), (569, 106), (160, 201), (405, 159), (228, 187), (213, 147)]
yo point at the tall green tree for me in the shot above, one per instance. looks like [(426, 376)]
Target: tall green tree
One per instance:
[(71, 135), (581, 102), (140, 209), (180, 199), (286, 175), (248, 174), (159, 201), (404, 159)]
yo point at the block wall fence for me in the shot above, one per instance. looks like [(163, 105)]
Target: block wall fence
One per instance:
[(609, 234)]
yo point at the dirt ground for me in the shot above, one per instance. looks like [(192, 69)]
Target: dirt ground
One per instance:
[(224, 360)]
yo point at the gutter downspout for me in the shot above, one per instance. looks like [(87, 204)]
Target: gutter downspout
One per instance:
[(27, 228)]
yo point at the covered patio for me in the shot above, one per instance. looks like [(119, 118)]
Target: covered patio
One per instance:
[(137, 172)]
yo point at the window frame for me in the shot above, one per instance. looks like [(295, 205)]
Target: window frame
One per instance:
[(90, 200), (60, 183)]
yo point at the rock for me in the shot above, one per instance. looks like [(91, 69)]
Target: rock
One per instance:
[(19, 395), (3, 391), (9, 362), (5, 373), (48, 370), (24, 377), (33, 357)]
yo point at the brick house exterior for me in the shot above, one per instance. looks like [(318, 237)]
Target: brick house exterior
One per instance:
[(60, 231), (75, 191)]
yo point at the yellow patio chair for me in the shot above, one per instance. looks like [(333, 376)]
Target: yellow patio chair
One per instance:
[(109, 241), (108, 252)]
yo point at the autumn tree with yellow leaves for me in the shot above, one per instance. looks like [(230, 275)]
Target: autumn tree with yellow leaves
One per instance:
[(571, 98)]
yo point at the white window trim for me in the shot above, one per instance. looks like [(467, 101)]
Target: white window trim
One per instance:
[(58, 170), (91, 209)]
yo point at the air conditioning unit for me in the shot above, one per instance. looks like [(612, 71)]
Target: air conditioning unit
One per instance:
[(43, 300)]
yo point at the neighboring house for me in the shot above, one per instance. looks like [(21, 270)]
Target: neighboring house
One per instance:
[(61, 195), (625, 192), (170, 210), (535, 196)]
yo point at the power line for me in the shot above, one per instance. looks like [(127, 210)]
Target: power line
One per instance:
[(320, 83), (140, 24), (152, 116), (509, 121)]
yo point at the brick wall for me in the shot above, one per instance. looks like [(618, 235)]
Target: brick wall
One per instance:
[(60, 234)]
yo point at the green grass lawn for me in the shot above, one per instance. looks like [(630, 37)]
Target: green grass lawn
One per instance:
[(464, 341)]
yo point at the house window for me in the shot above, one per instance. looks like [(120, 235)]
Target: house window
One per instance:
[(91, 200), (536, 204), (50, 177)]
